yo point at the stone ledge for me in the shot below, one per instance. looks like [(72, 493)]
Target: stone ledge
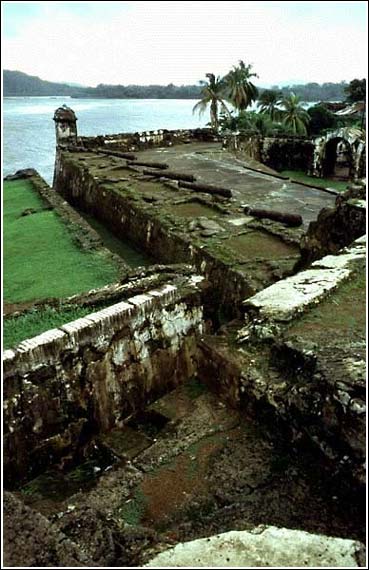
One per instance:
[(285, 299), (39, 350), (265, 546)]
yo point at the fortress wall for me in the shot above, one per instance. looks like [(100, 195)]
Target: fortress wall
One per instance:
[(130, 142), (91, 374), (304, 381), (151, 233), (279, 153)]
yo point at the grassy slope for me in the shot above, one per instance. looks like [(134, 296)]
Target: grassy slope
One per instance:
[(41, 261), (40, 258), (32, 323), (323, 182)]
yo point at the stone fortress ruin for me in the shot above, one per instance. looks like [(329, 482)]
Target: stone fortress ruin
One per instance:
[(221, 386)]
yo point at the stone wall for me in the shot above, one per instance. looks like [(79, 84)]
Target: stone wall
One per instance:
[(300, 153), (303, 381), (287, 153), (336, 227), (279, 153), (91, 374), (248, 145), (152, 234), (355, 141), (130, 142)]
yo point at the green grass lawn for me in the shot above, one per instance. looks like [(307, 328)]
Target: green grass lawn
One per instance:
[(301, 176), (41, 260), (34, 322)]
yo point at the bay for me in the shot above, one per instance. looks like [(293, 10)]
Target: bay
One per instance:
[(29, 131)]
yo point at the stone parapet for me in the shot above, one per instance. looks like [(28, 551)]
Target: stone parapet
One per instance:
[(94, 372), (299, 362)]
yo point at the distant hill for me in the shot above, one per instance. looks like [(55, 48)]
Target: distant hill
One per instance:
[(141, 92), (315, 91), (17, 83)]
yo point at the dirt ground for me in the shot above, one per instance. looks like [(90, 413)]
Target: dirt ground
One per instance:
[(204, 470)]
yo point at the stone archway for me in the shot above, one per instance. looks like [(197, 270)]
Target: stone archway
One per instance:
[(337, 160), (338, 154)]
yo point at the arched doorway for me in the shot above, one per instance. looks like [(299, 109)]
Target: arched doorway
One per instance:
[(337, 159), (339, 154)]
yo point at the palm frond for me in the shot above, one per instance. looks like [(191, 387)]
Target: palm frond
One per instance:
[(200, 107)]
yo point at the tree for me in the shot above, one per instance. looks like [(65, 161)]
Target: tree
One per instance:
[(356, 90), (294, 115), (213, 94), (320, 119), (268, 103), (240, 91), (252, 123)]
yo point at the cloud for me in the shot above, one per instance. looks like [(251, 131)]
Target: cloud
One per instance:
[(163, 42)]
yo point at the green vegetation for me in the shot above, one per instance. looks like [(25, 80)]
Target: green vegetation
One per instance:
[(280, 110), (322, 182), (20, 84), (212, 94), (34, 322), (194, 388), (17, 83), (356, 90), (321, 119), (268, 102), (133, 510), (235, 87), (277, 115), (40, 258), (341, 314), (286, 117), (253, 123), (57, 485), (240, 91), (315, 91), (294, 115)]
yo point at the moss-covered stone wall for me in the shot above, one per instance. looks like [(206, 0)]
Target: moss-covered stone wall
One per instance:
[(279, 153), (89, 375), (129, 219)]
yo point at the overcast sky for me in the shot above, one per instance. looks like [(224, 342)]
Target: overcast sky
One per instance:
[(178, 42)]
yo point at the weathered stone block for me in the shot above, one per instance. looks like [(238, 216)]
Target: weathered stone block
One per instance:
[(264, 546)]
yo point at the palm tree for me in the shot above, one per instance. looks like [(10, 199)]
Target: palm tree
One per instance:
[(213, 95), (240, 91), (294, 116), (268, 103)]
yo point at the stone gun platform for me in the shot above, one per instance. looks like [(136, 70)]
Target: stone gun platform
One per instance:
[(251, 182), (240, 254)]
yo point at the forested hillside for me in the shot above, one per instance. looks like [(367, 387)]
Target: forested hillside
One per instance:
[(17, 83)]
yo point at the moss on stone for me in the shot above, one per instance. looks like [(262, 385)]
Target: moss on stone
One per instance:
[(133, 510), (342, 313)]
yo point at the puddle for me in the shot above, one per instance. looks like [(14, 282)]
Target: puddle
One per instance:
[(259, 244), (124, 248), (192, 210)]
